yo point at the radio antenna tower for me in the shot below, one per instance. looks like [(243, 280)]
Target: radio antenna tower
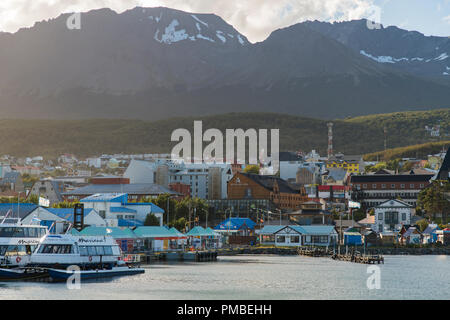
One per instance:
[(330, 139)]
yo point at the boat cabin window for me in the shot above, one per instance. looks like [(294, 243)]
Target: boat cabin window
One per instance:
[(96, 251), (56, 249), (92, 251), (21, 232), (15, 250)]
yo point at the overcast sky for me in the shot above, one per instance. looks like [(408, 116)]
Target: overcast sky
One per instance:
[(253, 18)]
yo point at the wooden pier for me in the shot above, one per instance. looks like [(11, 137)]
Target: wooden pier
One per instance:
[(359, 258), (197, 256), (313, 252)]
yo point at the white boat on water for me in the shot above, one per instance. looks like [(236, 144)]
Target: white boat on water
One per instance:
[(18, 242), (87, 252)]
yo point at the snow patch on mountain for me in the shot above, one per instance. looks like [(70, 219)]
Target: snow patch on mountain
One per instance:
[(443, 56), (220, 35), (199, 36), (171, 35), (198, 20), (389, 59), (241, 41)]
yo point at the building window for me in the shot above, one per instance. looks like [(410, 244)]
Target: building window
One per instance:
[(402, 186), (411, 185), (380, 216), (422, 185), (365, 186), (281, 239), (295, 239), (383, 186), (374, 186), (404, 216), (393, 186)]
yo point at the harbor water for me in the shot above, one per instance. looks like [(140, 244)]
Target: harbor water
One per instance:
[(259, 277)]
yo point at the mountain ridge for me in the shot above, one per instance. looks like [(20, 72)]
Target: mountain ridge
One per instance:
[(97, 136), (153, 63)]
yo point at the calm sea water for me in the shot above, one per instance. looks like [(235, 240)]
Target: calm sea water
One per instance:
[(260, 277)]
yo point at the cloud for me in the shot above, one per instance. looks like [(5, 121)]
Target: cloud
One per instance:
[(254, 18), (446, 19)]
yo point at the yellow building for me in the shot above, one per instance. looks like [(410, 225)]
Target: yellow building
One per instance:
[(350, 164)]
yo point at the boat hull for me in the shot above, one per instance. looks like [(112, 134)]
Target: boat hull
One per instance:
[(62, 275), (22, 274)]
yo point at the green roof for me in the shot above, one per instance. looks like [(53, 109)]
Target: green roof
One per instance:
[(199, 232), (153, 232), (176, 232), (115, 232)]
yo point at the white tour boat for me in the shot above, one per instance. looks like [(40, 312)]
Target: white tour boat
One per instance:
[(87, 252), (18, 242)]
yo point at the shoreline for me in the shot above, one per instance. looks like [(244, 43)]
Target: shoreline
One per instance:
[(372, 250)]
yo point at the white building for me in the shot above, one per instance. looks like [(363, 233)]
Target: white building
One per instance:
[(296, 235), (207, 180), (391, 215), (118, 212), (61, 218)]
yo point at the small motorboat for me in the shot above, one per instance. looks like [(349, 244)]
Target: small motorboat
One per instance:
[(63, 275)]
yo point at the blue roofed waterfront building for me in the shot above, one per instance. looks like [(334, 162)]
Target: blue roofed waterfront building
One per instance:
[(296, 235), (241, 226), (61, 219), (118, 212)]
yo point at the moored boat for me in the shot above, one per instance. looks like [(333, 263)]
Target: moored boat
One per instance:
[(17, 243), (62, 274), (86, 252)]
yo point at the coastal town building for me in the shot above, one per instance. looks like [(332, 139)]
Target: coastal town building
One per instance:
[(311, 213), (295, 235), (135, 191), (392, 215), (277, 190), (206, 180), (373, 189), (49, 189), (115, 209), (351, 164), (12, 181)]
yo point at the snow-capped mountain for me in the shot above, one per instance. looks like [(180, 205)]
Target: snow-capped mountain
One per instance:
[(410, 51), (159, 62)]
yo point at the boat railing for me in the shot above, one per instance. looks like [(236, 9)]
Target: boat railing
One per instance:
[(131, 258)]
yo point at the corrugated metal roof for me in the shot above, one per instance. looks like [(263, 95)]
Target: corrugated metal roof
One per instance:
[(199, 232), (121, 210), (115, 232), (176, 232), (152, 232), (22, 210), (132, 188), (108, 197), (235, 224), (66, 213), (129, 223), (271, 229), (155, 208)]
